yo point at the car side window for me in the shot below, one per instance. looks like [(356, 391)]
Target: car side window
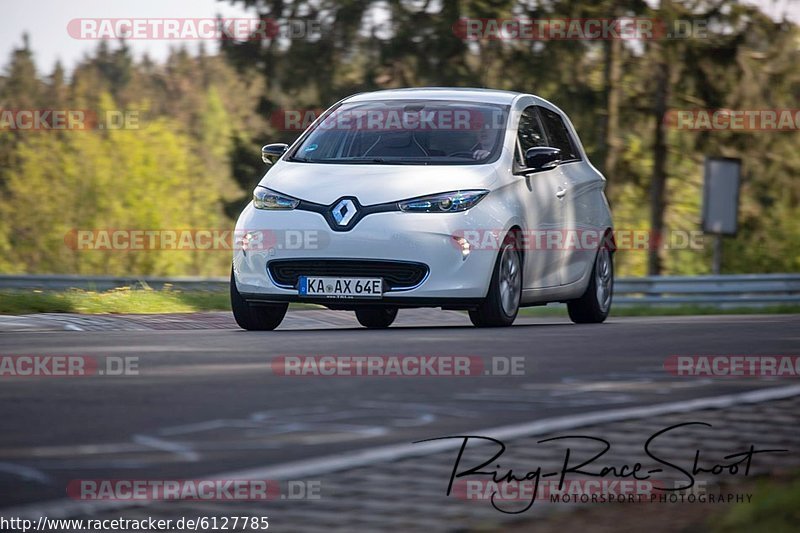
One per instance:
[(529, 133), (558, 134)]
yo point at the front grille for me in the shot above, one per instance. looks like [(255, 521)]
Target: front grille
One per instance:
[(397, 275)]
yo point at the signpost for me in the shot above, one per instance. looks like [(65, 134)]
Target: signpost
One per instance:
[(721, 201)]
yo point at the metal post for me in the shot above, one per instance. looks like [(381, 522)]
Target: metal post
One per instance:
[(716, 266)]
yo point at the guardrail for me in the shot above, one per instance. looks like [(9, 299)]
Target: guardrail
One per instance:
[(728, 291), (741, 289)]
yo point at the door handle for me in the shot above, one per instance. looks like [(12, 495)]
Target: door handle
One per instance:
[(561, 192)]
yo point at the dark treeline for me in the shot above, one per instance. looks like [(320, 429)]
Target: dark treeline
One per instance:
[(194, 157)]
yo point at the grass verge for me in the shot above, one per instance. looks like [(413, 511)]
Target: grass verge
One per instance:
[(141, 300), (122, 300), (773, 509)]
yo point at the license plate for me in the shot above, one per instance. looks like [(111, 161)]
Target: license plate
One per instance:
[(340, 287)]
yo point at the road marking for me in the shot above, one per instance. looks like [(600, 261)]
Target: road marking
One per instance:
[(184, 452), (63, 508)]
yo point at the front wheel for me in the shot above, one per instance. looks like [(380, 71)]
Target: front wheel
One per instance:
[(255, 317), (502, 302), (595, 304), (376, 317)]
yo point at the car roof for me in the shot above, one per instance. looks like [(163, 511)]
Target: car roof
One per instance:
[(460, 94)]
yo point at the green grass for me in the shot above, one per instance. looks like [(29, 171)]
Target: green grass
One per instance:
[(170, 300), (123, 300), (775, 508)]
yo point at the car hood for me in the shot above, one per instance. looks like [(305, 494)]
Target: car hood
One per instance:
[(373, 184)]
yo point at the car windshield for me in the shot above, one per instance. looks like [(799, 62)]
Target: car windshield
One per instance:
[(413, 132)]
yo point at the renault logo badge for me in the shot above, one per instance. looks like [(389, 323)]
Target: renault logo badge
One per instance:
[(343, 212)]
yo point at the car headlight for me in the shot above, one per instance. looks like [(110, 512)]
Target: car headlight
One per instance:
[(264, 198), (447, 202)]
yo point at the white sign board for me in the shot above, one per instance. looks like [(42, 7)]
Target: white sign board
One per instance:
[(721, 195)]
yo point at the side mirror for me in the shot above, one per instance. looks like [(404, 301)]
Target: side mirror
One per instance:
[(272, 152), (542, 158)]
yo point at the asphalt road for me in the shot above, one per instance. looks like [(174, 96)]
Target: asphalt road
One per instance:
[(207, 401)]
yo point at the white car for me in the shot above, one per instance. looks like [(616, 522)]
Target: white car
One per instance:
[(467, 199)]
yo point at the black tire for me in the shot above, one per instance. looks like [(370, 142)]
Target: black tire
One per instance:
[(376, 317), (589, 309), (492, 312), (255, 317)]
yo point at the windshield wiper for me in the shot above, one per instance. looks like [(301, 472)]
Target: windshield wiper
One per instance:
[(380, 160), (361, 161), (384, 161)]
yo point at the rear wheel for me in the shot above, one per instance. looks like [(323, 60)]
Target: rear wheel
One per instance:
[(595, 304), (502, 302), (255, 317), (376, 317)]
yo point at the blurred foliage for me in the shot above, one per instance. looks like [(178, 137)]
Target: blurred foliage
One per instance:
[(170, 169), (194, 160)]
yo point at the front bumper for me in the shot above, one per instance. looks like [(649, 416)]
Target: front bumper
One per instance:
[(393, 236)]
